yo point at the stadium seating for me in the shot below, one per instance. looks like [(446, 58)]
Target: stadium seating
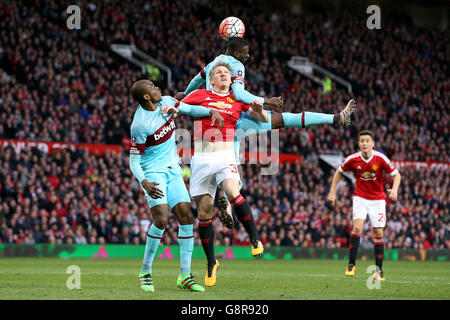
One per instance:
[(66, 86)]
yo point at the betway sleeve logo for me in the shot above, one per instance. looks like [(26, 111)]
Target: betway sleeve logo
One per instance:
[(162, 134)]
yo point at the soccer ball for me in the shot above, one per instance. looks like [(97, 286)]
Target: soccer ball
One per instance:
[(231, 27)]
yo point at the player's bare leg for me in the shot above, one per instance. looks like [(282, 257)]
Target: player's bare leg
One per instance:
[(243, 213), (205, 206), (358, 225), (379, 252), (277, 120), (226, 215)]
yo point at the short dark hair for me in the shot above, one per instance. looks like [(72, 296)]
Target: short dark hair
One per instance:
[(138, 89), (367, 133), (236, 44)]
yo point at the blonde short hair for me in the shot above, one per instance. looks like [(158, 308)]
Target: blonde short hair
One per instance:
[(219, 64)]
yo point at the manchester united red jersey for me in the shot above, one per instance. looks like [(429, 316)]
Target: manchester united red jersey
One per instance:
[(229, 108), (369, 174)]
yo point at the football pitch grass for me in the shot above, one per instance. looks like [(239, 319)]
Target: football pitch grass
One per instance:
[(257, 279)]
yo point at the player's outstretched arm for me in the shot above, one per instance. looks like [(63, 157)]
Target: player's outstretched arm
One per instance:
[(195, 83), (246, 97), (191, 110), (195, 111), (242, 95), (332, 194)]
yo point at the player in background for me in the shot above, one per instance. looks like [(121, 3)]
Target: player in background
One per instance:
[(214, 162), (154, 163), (368, 197), (237, 53)]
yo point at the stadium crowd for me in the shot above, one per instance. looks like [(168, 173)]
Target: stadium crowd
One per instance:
[(72, 196), (408, 116), (66, 87)]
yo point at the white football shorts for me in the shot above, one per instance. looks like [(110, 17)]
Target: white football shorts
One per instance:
[(209, 169), (376, 209)]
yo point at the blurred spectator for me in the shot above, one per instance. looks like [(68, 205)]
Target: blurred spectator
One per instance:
[(408, 116), (81, 215)]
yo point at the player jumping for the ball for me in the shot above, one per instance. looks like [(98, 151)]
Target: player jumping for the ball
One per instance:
[(368, 198), (214, 162), (236, 54), (154, 163)]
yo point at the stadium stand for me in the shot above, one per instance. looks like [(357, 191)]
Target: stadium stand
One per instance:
[(67, 86)]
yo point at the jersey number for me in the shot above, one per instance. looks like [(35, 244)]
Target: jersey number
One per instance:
[(381, 217), (233, 168)]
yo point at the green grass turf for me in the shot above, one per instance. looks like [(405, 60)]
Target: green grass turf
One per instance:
[(45, 278)]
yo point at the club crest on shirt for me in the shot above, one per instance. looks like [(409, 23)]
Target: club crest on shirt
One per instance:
[(375, 167), (230, 99)]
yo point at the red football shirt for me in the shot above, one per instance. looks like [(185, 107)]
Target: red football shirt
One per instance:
[(369, 174), (229, 108)]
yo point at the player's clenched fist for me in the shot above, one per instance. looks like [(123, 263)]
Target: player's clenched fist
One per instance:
[(332, 198), (152, 190), (393, 194)]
